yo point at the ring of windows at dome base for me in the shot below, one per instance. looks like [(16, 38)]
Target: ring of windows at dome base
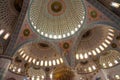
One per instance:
[(36, 74), (109, 59), (33, 53), (30, 59), (56, 19), (17, 69), (87, 47), (86, 67)]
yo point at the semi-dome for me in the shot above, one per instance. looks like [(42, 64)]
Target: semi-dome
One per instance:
[(56, 19), (94, 41), (8, 18), (40, 54)]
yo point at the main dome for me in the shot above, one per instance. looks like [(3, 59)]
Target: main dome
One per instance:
[(56, 19)]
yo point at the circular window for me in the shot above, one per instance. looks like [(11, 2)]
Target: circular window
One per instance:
[(66, 45), (26, 32), (93, 14)]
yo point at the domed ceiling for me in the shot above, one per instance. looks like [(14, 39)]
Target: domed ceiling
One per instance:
[(40, 54), (86, 66), (56, 19), (59, 19), (109, 58), (94, 41), (8, 18), (36, 74)]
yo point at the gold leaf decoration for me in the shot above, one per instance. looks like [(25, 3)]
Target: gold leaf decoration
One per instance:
[(63, 73)]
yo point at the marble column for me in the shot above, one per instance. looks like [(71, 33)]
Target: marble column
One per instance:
[(105, 74), (4, 64)]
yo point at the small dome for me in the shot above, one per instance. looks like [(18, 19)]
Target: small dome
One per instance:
[(17, 66), (36, 74), (109, 58), (86, 67)]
